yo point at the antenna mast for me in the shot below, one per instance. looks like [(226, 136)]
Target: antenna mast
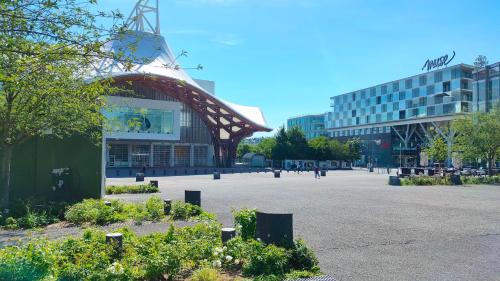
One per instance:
[(138, 19)]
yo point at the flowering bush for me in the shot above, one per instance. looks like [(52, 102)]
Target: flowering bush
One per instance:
[(143, 188), (245, 222)]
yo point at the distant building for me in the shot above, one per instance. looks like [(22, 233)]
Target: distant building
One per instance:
[(254, 160), (313, 126), (395, 119)]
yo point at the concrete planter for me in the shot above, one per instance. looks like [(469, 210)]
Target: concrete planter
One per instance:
[(192, 197), (275, 229)]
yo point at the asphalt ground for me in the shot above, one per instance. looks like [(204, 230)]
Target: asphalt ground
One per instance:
[(360, 227)]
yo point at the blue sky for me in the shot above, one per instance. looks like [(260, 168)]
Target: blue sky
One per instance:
[(290, 56)]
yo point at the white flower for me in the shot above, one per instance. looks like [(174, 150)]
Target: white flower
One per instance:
[(115, 268), (224, 248), (258, 239), (236, 261), (217, 263), (229, 258)]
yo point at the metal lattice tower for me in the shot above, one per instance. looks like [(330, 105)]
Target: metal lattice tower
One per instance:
[(139, 20)]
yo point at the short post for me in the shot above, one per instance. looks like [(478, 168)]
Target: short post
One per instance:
[(167, 206), (216, 175), (277, 174), (323, 173), (193, 197), (116, 241), (394, 180), (107, 203), (227, 234), (153, 183), (139, 177)]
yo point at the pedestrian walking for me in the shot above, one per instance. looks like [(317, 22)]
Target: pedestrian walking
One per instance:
[(316, 173)]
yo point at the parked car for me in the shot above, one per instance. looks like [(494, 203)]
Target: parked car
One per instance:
[(481, 172), (466, 172)]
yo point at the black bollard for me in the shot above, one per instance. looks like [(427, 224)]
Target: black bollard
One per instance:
[(277, 174), (167, 206), (216, 176), (107, 203), (139, 177), (275, 229), (227, 234), (153, 183), (323, 173), (192, 197), (116, 240), (394, 180)]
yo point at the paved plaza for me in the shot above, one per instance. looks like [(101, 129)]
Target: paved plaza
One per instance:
[(360, 227)]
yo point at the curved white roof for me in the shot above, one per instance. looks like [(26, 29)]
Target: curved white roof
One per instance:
[(150, 54)]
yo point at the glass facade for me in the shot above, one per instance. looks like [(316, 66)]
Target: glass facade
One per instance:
[(442, 92), (314, 125), (139, 120)]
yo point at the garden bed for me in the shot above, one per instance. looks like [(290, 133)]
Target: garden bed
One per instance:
[(92, 212), (180, 253), (132, 189), (446, 180)]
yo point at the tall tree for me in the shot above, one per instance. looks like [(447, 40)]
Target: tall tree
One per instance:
[(282, 147), (47, 49), (479, 136), (266, 147), (353, 148), (438, 149), (298, 147), (320, 149), (244, 148)]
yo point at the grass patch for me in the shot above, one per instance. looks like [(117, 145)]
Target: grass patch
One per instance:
[(133, 189)]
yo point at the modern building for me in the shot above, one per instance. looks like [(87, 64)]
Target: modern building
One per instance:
[(395, 119), (312, 125), (165, 120)]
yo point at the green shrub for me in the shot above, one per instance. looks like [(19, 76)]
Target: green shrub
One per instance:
[(426, 180), (31, 261), (481, 180), (245, 222), (272, 260), (11, 223), (155, 208), (143, 188), (25, 214), (205, 274), (184, 211), (302, 257), (298, 274), (95, 211)]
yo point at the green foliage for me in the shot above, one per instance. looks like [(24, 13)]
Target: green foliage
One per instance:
[(155, 208), (301, 257), (426, 180), (353, 148), (265, 147), (26, 215), (438, 149), (95, 211), (31, 261), (479, 136), (298, 274), (143, 188), (271, 260), (44, 70), (481, 180), (244, 148), (205, 274), (150, 257), (184, 211), (321, 149), (245, 222)]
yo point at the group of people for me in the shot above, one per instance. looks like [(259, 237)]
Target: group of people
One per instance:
[(297, 167)]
